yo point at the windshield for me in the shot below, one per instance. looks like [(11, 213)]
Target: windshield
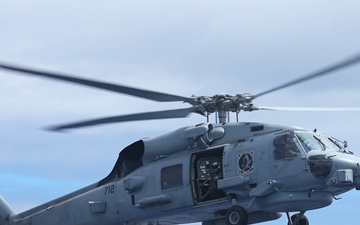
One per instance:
[(310, 142), (330, 142), (313, 141)]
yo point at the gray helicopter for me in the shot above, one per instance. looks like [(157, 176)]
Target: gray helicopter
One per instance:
[(235, 173)]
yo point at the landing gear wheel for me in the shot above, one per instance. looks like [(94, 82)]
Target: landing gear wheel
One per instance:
[(303, 220), (236, 215)]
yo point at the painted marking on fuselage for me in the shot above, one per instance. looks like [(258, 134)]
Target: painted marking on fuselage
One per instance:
[(109, 189), (246, 162)]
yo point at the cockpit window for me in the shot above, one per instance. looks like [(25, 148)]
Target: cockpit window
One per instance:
[(309, 142), (285, 147), (313, 141), (331, 143)]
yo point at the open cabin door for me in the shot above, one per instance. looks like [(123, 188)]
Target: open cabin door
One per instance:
[(206, 170)]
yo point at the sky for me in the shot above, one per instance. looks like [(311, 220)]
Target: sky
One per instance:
[(179, 47)]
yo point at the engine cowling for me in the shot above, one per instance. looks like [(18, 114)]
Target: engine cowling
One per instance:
[(201, 135)]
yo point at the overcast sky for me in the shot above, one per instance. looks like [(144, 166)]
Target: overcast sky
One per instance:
[(179, 47)]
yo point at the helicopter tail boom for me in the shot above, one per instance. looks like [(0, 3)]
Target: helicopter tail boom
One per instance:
[(5, 211)]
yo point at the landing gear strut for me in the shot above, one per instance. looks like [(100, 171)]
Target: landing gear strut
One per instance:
[(236, 215), (297, 219)]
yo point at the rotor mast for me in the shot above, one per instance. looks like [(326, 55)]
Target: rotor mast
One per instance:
[(222, 115)]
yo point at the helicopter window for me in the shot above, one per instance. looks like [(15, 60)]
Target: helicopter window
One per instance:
[(310, 142), (171, 177), (320, 166), (334, 142), (285, 147)]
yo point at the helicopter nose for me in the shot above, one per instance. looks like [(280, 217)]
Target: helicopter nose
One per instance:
[(346, 170)]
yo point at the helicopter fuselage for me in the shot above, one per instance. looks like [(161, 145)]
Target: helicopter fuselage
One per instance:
[(197, 173)]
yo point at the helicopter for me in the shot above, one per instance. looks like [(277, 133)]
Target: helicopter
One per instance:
[(233, 173)]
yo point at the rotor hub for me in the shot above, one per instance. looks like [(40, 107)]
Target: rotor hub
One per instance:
[(224, 102)]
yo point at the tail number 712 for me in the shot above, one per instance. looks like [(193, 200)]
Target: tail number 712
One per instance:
[(109, 189)]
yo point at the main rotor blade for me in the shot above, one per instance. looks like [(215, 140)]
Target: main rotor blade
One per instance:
[(309, 109), (166, 114), (327, 70), (151, 95)]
